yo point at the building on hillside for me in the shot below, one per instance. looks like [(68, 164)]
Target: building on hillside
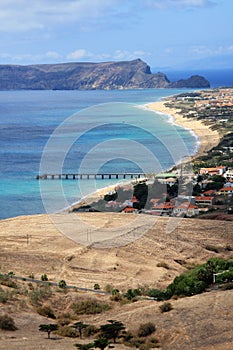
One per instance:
[(186, 208), (210, 193), (168, 181), (229, 174), (204, 200), (226, 190), (219, 170), (163, 209)]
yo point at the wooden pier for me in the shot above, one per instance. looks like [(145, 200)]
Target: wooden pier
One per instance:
[(72, 176)]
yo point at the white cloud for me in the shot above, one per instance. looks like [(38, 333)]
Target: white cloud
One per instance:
[(165, 4), (127, 55), (83, 54), (24, 15), (206, 51), (53, 55), (79, 54)]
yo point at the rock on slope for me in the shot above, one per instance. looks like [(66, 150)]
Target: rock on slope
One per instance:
[(89, 76)]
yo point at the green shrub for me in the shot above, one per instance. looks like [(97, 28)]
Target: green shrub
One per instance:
[(146, 329), (62, 284), (156, 293), (90, 306), (44, 277), (133, 294), (225, 277), (46, 311), (7, 323), (165, 307), (96, 286)]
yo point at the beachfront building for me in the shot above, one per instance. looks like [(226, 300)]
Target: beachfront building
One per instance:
[(168, 181)]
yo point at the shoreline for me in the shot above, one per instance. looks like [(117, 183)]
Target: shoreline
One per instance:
[(207, 137), (206, 140)]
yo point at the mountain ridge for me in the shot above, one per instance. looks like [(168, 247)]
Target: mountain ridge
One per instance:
[(90, 76)]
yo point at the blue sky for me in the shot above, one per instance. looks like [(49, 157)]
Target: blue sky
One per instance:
[(164, 33)]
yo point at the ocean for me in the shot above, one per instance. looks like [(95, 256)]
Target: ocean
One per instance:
[(80, 132)]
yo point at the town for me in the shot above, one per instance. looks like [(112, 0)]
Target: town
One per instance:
[(204, 190)]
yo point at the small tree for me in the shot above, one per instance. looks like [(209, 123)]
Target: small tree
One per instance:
[(112, 329), (96, 286), (62, 284), (48, 328), (44, 277), (79, 326)]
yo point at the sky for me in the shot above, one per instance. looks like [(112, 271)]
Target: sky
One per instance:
[(163, 33)]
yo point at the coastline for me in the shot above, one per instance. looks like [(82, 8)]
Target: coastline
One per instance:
[(208, 138)]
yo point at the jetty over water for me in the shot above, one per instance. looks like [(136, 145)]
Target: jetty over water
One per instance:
[(73, 176)]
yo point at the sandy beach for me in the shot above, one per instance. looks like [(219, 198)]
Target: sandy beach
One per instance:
[(208, 138)]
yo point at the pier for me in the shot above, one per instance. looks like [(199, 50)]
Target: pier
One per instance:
[(73, 176)]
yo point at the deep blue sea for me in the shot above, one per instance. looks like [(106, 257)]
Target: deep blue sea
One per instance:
[(80, 131)]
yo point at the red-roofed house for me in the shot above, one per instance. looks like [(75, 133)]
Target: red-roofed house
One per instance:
[(218, 170), (226, 190), (204, 200), (210, 193), (186, 208), (162, 209)]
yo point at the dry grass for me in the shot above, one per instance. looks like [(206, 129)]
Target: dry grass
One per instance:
[(34, 245)]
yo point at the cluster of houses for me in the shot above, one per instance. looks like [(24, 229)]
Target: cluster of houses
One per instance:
[(182, 204), (215, 105)]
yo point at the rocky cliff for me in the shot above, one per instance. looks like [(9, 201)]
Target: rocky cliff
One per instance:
[(90, 76)]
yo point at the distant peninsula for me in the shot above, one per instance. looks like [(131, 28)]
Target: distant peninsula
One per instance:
[(134, 74)]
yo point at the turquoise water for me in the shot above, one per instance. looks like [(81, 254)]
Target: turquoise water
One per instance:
[(85, 131)]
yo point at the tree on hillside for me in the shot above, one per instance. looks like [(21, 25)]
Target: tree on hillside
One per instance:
[(79, 326), (48, 328), (62, 284), (112, 329)]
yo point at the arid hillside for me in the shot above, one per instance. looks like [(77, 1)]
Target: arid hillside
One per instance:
[(34, 246)]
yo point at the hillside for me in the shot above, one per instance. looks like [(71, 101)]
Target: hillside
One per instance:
[(89, 76), (33, 245)]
